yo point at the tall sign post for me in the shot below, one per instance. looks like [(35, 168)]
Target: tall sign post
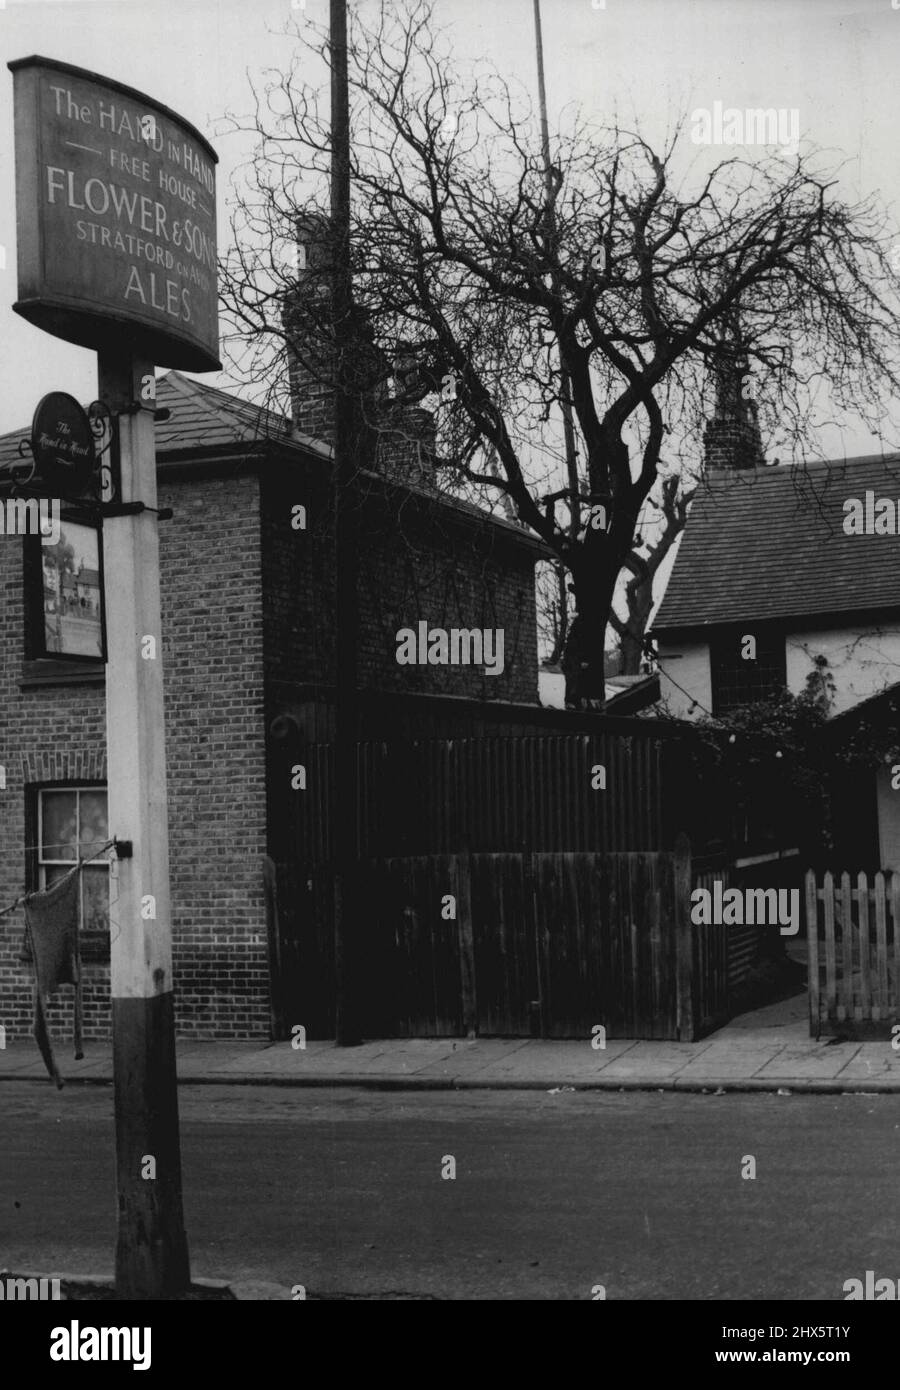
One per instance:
[(151, 1249), (115, 204), (347, 445)]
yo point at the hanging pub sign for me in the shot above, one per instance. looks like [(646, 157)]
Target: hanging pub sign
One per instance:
[(115, 218), (62, 445)]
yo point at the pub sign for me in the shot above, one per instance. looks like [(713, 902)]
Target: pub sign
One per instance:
[(115, 218)]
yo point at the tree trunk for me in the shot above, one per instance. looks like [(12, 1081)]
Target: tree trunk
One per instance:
[(631, 642), (631, 647), (594, 578)]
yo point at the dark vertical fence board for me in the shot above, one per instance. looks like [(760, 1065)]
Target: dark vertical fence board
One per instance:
[(880, 972), (684, 947), (657, 1011), (633, 868), (385, 951), (617, 1010), (895, 908), (468, 982), (413, 966), (305, 915), (723, 955), (445, 955), (563, 935), (504, 958), (812, 946), (642, 894)]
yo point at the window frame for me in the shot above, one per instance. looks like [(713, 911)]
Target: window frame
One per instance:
[(725, 660), (95, 945)]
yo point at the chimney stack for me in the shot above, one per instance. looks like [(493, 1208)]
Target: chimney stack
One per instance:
[(407, 445), (306, 318), (405, 436), (731, 439)]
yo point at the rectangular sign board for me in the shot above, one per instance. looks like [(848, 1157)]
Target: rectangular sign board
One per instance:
[(115, 218)]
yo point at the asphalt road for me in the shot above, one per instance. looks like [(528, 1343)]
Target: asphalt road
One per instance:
[(341, 1190)]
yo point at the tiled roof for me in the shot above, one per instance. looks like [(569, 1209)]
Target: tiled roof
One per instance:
[(203, 417), (769, 543)]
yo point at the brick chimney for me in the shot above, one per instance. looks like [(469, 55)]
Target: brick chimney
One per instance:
[(306, 318), (731, 438), (407, 445), (405, 436)]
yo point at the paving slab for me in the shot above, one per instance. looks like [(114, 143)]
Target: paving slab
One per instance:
[(92, 1063), (21, 1061), (873, 1059), (217, 1053), (472, 1058), (282, 1058), (824, 1063), (562, 1060), (732, 1059), (653, 1061)]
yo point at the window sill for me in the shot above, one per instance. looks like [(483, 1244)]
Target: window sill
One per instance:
[(93, 947), (49, 672)]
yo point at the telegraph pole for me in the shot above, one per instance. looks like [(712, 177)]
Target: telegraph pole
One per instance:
[(346, 435), (151, 1249), (564, 386)]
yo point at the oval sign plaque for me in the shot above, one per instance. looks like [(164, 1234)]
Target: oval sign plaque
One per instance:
[(62, 442)]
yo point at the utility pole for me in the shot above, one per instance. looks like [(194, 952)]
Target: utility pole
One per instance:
[(564, 387), (151, 1250), (347, 440)]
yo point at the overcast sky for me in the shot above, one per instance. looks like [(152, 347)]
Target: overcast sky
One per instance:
[(835, 61)]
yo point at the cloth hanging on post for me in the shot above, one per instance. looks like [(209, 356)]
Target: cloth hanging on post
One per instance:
[(51, 927)]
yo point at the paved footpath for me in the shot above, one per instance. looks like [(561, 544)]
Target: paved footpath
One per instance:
[(768, 1050)]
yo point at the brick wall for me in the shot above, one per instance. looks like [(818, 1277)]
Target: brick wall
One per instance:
[(212, 654), (215, 742), (416, 562), (420, 565)]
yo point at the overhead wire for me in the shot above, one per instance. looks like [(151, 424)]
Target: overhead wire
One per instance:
[(96, 855)]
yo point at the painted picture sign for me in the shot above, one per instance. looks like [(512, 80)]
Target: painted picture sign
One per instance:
[(72, 574), (115, 217)]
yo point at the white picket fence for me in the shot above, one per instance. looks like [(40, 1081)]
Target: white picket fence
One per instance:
[(854, 953)]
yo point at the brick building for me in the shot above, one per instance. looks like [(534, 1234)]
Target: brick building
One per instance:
[(248, 642)]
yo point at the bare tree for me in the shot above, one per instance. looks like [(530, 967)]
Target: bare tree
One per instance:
[(642, 568), (497, 278)]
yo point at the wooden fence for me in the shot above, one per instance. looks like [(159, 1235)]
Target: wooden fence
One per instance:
[(443, 796), (711, 952), (854, 954), (515, 944), (527, 826)]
